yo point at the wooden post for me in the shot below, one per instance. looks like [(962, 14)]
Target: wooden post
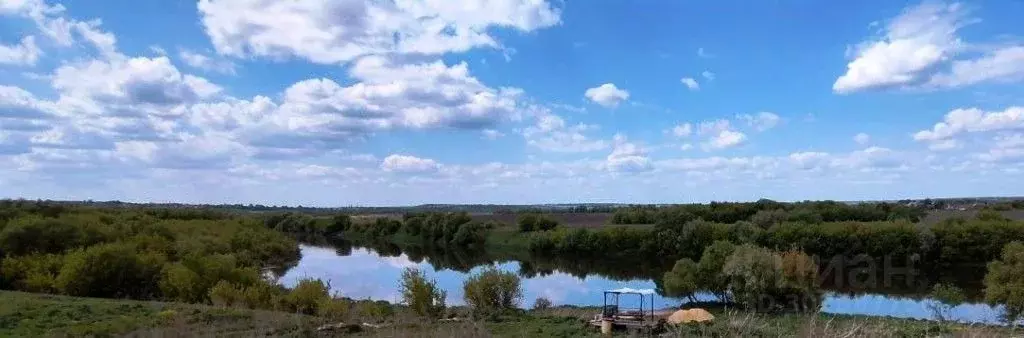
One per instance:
[(606, 327)]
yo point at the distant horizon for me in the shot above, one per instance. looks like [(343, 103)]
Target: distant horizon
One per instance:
[(506, 204)]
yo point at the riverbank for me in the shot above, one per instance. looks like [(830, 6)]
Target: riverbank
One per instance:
[(27, 314)]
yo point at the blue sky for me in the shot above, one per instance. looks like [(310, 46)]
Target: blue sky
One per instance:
[(331, 103)]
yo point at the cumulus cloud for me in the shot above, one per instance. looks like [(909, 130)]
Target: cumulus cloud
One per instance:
[(24, 53), (627, 156), (408, 164), (690, 83), (708, 75), (761, 121), (139, 80), (551, 133), (861, 138), (326, 31), (724, 139), (389, 95), (912, 43), (682, 130), (972, 120), (607, 95), (920, 48)]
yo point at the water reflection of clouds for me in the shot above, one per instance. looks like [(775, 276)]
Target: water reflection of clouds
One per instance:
[(364, 274)]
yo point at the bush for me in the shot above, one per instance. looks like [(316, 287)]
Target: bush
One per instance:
[(527, 222), (333, 309), (226, 294), (1004, 282), (307, 295), (535, 222), (49, 235), (34, 273), (541, 303), (681, 281), (423, 296), (110, 270), (492, 291)]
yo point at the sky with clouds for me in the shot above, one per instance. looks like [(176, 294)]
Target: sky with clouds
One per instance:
[(396, 102)]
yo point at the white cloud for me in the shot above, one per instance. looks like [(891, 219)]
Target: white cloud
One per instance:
[(713, 127), (972, 120), (492, 134), (920, 48), (943, 145), (24, 53), (389, 95), (724, 139), (1004, 64), (408, 164), (206, 63), (761, 121), (703, 53), (551, 133), (138, 80), (607, 95), (708, 75), (326, 31), (862, 138), (627, 157), (915, 41), (690, 83), (682, 130)]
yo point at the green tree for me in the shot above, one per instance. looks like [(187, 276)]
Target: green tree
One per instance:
[(682, 280), (423, 296), (1004, 282), (709, 269), (492, 291)]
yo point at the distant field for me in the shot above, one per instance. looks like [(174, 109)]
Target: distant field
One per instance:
[(581, 220), (936, 216)]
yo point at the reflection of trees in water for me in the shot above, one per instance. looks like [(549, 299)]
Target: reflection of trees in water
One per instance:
[(851, 278)]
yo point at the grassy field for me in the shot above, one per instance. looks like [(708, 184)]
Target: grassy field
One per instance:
[(38, 315)]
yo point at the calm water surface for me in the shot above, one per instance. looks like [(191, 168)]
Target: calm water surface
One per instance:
[(364, 274)]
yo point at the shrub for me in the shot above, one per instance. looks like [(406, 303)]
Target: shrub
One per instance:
[(226, 294), (49, 235), (541, 303), (1004, 282), (423, 296), (261, 295), (527, 222), (333, 309), (178, 282), (681, 281), (492, 291), (110, 270), (339, 223), (307, 295), (33, 273)]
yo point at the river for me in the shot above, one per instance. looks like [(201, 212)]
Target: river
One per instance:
[(362, 273)]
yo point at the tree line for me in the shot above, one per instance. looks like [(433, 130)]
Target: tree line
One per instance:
[(764, 212)]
